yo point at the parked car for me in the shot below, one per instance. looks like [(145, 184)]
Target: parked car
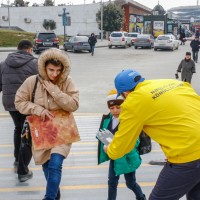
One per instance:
[(77, 43), (119, 39), (166, 42), (144, 41), (45, 40), (188, 33), (133, 36)]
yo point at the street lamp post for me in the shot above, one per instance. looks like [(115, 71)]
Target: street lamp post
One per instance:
[(64, 23), (8, 4), (101, 20), (64, 20)]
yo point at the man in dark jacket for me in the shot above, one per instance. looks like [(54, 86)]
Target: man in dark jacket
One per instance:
[(92, 41), (13, 72), (195, 44)]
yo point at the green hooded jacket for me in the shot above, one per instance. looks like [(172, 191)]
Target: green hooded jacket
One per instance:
[(128, 163)]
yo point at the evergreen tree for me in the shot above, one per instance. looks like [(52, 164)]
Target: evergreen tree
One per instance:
[(48, 3), (113, 17), (19, 3)]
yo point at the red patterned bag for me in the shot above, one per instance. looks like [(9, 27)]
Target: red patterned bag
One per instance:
[(50, 133)]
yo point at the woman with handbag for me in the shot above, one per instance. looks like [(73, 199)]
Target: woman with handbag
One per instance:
[(55, 92)]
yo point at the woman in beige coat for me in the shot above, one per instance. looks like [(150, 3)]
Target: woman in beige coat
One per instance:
[(55, 91)]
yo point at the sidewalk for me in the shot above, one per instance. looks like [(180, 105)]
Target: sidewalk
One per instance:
[(103, 43)]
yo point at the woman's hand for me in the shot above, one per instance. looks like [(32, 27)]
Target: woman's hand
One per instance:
[(48, 85), (46, 113)]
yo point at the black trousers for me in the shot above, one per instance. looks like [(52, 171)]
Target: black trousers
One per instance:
[(177, 180), (21, 153)]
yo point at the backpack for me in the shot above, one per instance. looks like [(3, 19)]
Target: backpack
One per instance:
[(145, 143)]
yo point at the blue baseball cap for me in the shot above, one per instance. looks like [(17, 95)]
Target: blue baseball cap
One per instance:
[(126, 80)]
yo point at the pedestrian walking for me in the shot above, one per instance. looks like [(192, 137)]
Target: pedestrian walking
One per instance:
[(197, 34), (182, 37), (168, 111), (126, 165), (195, 44), (55, 91), (13, 72), (92, 41), (187, 68)]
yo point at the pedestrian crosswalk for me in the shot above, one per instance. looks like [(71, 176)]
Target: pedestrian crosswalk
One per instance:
[(82, 178)]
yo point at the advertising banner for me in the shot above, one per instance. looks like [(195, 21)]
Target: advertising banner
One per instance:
[(158, 28)]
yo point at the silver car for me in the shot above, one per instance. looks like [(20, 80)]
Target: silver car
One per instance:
[(144, 41), (77, 43), (119, 39), (166, 42), (133, 36)]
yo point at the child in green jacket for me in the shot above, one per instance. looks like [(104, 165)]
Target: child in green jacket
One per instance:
[(126, 165)]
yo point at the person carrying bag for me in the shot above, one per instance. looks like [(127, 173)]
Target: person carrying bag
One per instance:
[(56, 96)]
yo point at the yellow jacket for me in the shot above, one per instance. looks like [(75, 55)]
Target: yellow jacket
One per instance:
[(169, 112)]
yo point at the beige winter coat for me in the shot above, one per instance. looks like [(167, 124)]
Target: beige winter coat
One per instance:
[(64, 95)]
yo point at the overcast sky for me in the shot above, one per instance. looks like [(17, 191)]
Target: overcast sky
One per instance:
[(149, 3)]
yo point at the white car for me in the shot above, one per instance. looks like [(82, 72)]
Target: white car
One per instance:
[(119, 39), (167, 41), (133, 36)]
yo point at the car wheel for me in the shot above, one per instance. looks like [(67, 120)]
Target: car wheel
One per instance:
[(110, 46), (155, 49), (135, 47), (73, 50), (125, 46), (65, 48), (172, 48)]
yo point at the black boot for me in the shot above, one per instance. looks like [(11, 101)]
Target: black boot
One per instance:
[(142, 198), (58, 194)]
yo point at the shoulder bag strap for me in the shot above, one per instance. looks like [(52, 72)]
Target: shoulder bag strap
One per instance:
[(34, 89)]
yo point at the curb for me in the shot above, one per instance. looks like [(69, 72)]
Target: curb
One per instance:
[(12, 49)]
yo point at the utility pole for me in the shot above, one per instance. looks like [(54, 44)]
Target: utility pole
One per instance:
[(64, 20), (8, 4), (101, 20), (197, 2)]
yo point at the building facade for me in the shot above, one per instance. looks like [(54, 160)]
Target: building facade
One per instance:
[(30, 19)]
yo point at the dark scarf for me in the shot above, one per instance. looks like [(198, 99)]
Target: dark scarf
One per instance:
[(187, 60)]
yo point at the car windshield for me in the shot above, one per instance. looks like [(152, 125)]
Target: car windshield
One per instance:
[(81, 39), (116, 35), (45, 36), (163, 37), (132, 35)]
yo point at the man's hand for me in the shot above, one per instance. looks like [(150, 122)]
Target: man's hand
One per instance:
[(46, 113)]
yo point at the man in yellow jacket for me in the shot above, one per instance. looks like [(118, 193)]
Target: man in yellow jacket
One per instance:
[(169, 112)]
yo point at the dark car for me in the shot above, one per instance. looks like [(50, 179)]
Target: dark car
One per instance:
[(77, 43), (45, 40), (144, 41)]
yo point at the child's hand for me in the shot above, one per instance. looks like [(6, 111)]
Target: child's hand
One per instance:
[(105, 148)]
